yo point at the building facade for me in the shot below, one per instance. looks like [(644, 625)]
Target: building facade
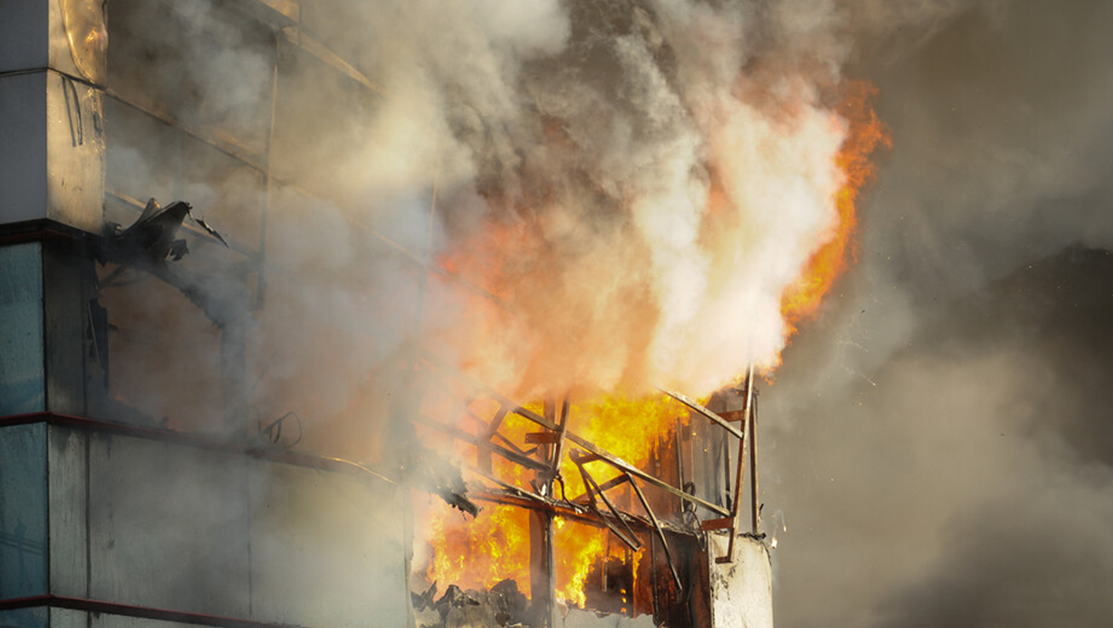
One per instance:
[(138, 485)]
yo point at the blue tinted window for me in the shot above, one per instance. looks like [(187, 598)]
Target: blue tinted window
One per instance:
[(22, 378), (23, 511), (24, 618)]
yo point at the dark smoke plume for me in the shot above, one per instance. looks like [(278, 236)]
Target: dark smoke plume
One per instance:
[(943, 451)]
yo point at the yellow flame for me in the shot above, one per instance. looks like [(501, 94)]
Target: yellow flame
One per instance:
[(496, 545)]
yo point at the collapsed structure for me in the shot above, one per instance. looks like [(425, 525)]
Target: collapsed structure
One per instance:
[(139, 485)]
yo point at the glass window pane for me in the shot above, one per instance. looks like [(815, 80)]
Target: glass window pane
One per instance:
[(24, 618), (23, 510), (22, 380)]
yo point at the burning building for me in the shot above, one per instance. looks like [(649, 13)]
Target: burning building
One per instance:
[(257, 369)]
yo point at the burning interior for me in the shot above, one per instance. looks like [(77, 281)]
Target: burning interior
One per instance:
[(405, 336)]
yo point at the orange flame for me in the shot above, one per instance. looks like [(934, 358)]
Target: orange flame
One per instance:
[(496, 544), (576, 548), (865, 134), (480, 553)]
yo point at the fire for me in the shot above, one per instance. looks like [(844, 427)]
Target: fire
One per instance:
[(589, 305), (495, 545), (628, 428), (479, 553), (577, 547), (865, 134)]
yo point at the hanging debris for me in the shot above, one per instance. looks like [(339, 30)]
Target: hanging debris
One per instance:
[(152, 237), (442, 478)]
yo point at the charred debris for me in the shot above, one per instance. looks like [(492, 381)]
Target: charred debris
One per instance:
[(152, 237), (502, 605), (151, 242)]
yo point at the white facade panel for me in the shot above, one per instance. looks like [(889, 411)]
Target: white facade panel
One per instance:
[(741, 591)]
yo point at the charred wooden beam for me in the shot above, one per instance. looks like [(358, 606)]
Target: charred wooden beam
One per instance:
[(681, 435), (513, 446), (504, 485), (571, 512), (715, 418), (622, 465), (455, 432), (723, 523), (558, 447), (492, 430), (629, 541), (542, 568), (542, 559), (657, 528), (587, 445), (747, 439), (496, 421), (542, 438), (605, 486), (755, 506)]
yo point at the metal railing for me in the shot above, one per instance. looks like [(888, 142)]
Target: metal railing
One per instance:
[(556, 441)]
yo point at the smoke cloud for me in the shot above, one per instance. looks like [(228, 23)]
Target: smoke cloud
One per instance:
[(610, 172), (637, 184), (941, 440)]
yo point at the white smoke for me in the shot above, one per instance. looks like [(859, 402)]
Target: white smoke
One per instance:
[(941, 434), (649, 103)]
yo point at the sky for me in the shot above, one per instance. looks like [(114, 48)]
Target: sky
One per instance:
[(939, 449)]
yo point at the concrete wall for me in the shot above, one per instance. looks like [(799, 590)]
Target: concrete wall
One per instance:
[(52, 52), (741, 591), (162, 524), (52, 165), (66, 35), (577, 618)]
